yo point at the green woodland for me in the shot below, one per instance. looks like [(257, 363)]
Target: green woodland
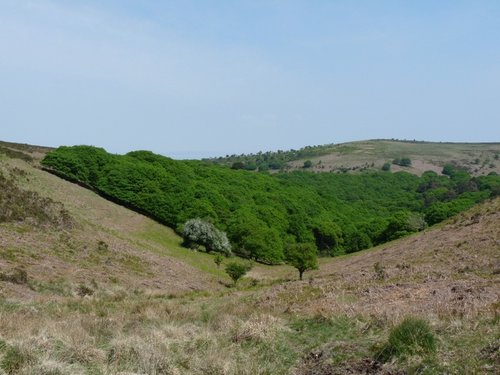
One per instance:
[(263, 215)]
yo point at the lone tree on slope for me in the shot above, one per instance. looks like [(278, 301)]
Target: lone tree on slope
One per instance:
[(237, 270), (303, 257), (200, 232)]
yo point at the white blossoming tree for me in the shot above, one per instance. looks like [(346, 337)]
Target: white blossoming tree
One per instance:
[(200, 232)]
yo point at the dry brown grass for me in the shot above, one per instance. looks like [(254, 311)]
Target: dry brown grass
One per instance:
[(140, 335), (478, 158), (452, 270), (73, 254), (151, 312)]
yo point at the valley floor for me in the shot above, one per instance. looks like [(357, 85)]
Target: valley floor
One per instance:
[(114, 293)]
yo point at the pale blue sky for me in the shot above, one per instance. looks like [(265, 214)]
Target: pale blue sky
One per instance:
[(202, 78)]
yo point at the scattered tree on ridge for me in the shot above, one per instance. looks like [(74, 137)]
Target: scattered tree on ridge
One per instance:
[(403, 162)]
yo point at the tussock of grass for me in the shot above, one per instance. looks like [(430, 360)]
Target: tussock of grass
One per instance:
[(412, 336), (16, 276), (13, 359)]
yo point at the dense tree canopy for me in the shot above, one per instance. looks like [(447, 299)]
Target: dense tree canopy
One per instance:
[(263, 214)]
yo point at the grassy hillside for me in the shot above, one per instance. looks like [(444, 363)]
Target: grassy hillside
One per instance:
[(110, 292), (62, 231), (477, 158), (264, 214)]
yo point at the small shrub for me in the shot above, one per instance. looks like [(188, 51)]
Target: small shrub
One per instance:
[(386, 167), (84, 290), (218, 260), (237, 270), (17, 276), (403, 162), (13, 360), (412, 336), (238, 165), (307, 164), (380, 273), (102, 246)]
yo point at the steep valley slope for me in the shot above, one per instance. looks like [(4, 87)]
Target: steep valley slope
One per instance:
[(89, 287), (105, 243)]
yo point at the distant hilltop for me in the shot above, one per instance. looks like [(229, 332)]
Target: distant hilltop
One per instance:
[(476, 158)]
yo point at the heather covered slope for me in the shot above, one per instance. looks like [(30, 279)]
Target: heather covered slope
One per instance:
[(451, 269), (108, 291), (64, 235), (264, 214)]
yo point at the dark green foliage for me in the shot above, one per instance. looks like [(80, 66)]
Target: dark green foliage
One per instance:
[(275, 164), (218, 259), (412, 336), (236, 270), (264, 161), (308, 164), (328, 237), (356, 240), (238, 165), (448, 170), (303, 257), (386, 167), (264, 213), (251, 166), (403, 162), (402, 224)]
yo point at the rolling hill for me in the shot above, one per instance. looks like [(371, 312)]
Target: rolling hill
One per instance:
[(477, 158), (90, 287)]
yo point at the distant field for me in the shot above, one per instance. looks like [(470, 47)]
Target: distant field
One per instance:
[(477, 158)]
